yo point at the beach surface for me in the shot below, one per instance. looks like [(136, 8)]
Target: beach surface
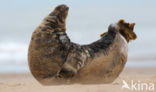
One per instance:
[(26, 83)]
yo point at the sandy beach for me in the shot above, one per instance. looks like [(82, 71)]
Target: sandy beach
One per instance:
[(87, 19), (26, 83)]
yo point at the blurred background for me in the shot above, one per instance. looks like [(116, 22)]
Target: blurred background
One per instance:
[(86, 21)]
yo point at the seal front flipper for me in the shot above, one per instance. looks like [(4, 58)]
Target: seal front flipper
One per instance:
[(76, 60)]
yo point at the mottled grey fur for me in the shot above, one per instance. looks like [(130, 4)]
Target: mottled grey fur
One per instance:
[(81, 55), (53, 55)]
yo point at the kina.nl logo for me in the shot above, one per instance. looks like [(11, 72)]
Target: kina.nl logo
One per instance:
[(138, 86)]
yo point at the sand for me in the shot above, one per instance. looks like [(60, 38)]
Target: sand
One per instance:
[(26, 83)]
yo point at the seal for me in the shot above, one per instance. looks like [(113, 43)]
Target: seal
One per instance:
[(54, 59)]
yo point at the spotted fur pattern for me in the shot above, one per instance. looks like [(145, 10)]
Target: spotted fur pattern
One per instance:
[(81, 55), (49, 45), (52, 54)]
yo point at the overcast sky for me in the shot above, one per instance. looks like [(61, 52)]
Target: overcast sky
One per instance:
[(86, 17)]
